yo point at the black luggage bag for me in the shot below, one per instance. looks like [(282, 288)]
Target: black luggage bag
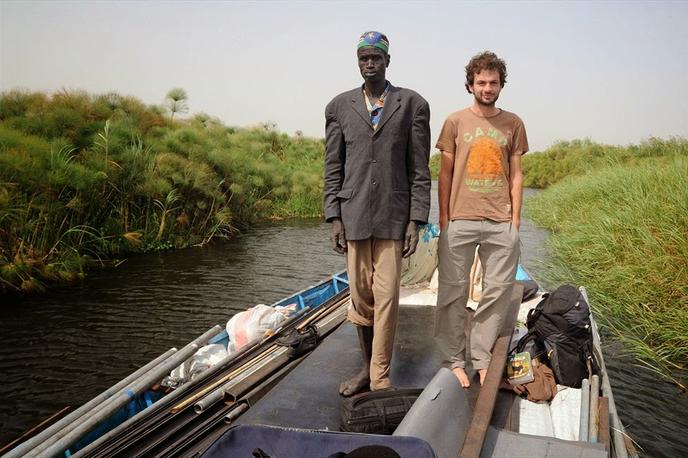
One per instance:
[(377, 412)]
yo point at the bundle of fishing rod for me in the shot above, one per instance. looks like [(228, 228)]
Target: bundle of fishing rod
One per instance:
[(189, 419)]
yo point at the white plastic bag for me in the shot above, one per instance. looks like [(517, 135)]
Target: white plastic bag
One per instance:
[(205, 358), (255, 323), (565, 409)]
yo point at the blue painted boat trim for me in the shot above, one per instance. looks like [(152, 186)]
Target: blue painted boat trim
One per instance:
[(521, 273), (136, 405)]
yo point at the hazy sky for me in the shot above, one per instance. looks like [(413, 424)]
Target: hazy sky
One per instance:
[(616, 72)]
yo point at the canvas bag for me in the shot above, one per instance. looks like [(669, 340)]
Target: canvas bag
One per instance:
[(543, 388)]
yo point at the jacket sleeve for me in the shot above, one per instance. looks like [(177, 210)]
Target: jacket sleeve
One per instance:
[(417, 162), (335, 157)]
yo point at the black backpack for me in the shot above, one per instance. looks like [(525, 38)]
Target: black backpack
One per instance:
[(560, 326), (377, 412)]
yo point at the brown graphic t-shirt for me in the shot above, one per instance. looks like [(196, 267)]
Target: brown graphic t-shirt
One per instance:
[(481, 148)]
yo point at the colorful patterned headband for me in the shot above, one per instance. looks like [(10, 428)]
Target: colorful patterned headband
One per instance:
[(375, 39)]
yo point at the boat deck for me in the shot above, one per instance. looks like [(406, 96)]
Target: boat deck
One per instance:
[(308, 397)]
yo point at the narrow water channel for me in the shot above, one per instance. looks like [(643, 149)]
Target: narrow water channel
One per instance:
[(64, 347)]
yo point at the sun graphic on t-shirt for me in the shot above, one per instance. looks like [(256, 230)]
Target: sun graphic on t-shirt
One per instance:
[(484, 169)]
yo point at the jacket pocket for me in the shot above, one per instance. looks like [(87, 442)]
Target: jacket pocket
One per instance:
[(398, 207), (345, 194)]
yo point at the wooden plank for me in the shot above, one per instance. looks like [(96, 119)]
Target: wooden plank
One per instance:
[(603, 433), (482, 412)]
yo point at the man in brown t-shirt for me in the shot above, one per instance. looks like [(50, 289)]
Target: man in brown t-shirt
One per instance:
[(480, 188)]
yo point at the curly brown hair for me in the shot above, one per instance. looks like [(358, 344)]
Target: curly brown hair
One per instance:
[(486, 60)]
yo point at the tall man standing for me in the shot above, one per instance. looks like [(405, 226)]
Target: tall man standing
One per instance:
[(377, 192), (480, 189)]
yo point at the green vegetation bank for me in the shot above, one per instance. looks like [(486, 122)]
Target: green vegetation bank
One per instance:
[(619, 223), (86, 178)]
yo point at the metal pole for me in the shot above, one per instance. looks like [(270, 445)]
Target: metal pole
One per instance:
[(177, 393), (217, 383), (236, 412), (37, 440), (65, 438), (219, 394), (204, 376), (71, 433), (241, 385)]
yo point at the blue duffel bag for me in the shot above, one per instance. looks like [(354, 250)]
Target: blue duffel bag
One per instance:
[(246, 441)]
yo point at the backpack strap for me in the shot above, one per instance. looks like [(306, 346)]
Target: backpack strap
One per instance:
[(522, 342), (535, 312)]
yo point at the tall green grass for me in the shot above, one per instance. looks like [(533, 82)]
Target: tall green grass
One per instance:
[(86, 178), (435, 166), (578, 157), (622, 230)]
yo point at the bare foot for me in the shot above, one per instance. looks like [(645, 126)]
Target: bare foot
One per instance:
[(356, 384), (482, 373), (461, 374)]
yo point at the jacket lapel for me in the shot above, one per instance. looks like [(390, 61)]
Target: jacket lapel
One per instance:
[(392, 104), (359, 106)]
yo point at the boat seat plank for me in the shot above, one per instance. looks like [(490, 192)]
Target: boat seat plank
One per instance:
[(603, 435)]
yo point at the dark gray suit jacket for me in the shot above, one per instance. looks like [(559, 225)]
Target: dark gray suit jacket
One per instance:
[(376, 181)]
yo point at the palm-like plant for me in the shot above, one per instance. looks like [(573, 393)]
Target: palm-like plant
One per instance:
[(166, 207), (84, 178), (176, 101)]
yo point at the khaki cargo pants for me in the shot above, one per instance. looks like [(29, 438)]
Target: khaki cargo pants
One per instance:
[(499, 252)]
